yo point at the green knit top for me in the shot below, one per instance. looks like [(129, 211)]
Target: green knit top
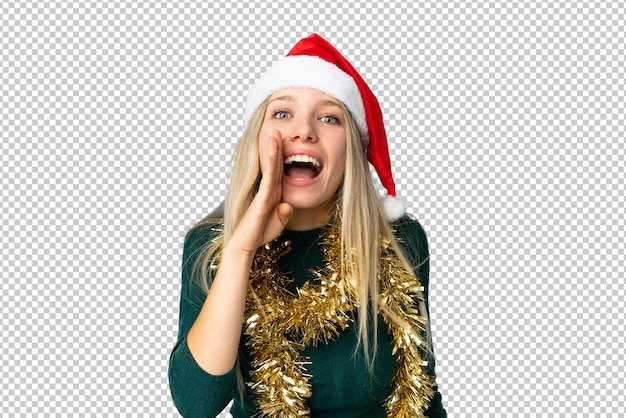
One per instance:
[(341, 383)]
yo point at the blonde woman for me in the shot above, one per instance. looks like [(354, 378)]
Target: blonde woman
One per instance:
[(304, 293)]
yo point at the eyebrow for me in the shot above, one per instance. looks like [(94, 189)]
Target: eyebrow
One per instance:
[(289, 98)]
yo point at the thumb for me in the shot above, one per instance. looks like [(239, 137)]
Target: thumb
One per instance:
[(284, 212)]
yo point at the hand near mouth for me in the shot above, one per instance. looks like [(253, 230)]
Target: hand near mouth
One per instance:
[(266, 217)]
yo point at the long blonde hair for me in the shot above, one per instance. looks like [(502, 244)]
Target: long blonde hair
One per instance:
[(363, 223)]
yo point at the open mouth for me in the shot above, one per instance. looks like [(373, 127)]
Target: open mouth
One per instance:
[(301, 167)]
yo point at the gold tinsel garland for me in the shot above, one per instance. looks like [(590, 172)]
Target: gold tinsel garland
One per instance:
[(279, 325)]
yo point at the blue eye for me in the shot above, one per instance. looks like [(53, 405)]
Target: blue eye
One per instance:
[(281, 114), (329, 119)]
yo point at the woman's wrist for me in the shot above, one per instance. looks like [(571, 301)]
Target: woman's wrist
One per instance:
[(232, 251)]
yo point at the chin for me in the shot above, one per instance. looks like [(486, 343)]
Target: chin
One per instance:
[(300, 203), (314, 198), (313, 203)]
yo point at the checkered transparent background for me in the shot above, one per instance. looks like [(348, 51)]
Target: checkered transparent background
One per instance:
[(506, 122)]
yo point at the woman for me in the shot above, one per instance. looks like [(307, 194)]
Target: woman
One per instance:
[(329, 284)]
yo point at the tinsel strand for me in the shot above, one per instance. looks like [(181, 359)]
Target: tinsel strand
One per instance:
[(280, 325), (401, 293)]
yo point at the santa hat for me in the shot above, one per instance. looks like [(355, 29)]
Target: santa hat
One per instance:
[(315, 63)]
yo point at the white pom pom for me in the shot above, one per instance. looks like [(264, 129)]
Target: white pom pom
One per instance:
[(395, 207)]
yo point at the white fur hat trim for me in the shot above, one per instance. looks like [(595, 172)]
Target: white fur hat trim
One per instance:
[(305, 71)]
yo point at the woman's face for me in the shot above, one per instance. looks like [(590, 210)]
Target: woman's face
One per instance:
[(313, 130)]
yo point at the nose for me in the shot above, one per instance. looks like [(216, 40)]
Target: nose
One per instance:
[(303, 130)]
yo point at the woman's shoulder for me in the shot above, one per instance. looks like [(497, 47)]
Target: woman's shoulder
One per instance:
[(200, 234), (197, 242), (411, 237), (206, 228), (409, 230)]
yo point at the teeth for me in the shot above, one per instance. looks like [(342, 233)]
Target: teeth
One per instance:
[(302, 159)]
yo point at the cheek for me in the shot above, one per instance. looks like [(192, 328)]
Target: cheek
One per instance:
[(338, 169), (338, 147), (267, 130), (264, 131), (341, 159)]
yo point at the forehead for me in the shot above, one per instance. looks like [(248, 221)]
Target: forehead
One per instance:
[(304, 95)]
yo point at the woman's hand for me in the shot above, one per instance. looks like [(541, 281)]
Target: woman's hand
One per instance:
[(214, 337), (266, 217)]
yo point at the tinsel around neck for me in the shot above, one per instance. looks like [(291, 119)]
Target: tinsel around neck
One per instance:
[(279, 325)]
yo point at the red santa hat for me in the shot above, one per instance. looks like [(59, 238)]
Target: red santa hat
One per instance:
[(314, 63)]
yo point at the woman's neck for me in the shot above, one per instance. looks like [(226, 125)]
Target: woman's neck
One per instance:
[(309, 218)]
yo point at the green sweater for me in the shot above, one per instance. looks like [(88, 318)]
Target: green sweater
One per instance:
[(342, 386)]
